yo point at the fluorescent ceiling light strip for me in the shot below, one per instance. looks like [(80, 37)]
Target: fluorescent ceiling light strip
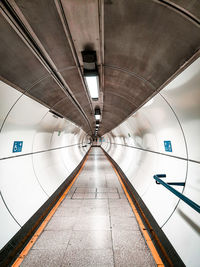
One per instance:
[(97, 117), (92, 84)]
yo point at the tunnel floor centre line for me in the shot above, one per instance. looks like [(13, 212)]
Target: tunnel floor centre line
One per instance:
[(93, 226)]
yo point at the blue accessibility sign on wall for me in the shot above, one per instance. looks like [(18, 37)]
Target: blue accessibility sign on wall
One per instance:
[(17, 146), (168, 146)]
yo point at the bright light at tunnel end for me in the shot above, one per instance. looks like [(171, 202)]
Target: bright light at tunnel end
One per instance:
[(97, 117)]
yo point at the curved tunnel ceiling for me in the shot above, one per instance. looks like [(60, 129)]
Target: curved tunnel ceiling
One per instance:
[(140, 45)]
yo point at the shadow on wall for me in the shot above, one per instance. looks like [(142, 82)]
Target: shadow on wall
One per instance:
[(188, 220)]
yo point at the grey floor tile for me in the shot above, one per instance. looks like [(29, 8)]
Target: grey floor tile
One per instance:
[(124, 223), (128, 240), (78, 196), (121, 211), (115, 203), (102, 195), (90, 240), (113, 195), (110, 174), (85, 189), (94, 211), (98, 184), (80, 189), (71, 203), (43, 258), (82, 184), (106, 189), (61, 223), (95, 203), (89, 195), (135, 258), (53, 239), (112, 184), (86, 258), (93, 223), (67, 212)]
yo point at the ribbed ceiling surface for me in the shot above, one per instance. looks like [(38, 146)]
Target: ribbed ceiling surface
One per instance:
[(140, 44)]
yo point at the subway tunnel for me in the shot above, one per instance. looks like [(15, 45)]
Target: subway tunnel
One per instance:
[(104, 179)]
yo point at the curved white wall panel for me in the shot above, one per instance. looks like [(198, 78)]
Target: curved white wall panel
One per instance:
[(9, 226), (21, 125), (20, 189), (137, 146), (183, 94), (49, 170), (9, 97), (51, 150)]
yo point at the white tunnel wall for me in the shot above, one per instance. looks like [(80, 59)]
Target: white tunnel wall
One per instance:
[(52, 148), (137, 146)]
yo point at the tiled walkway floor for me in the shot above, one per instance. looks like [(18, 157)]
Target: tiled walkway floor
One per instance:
[(94, 225)]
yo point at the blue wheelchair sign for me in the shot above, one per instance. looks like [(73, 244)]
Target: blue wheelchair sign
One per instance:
[(17, 146), (168, 146)]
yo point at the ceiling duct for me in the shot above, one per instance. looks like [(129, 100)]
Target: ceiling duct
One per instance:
[(90, 72)]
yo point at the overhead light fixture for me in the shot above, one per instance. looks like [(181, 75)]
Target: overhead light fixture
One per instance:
[(93, 86), (90, 72), (98, 117), (97, 113)]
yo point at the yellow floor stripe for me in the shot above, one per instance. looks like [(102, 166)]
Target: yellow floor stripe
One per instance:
[(149, 242), (47, 219)]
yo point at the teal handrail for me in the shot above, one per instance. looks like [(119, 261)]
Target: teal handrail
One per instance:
[(188, 201)]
